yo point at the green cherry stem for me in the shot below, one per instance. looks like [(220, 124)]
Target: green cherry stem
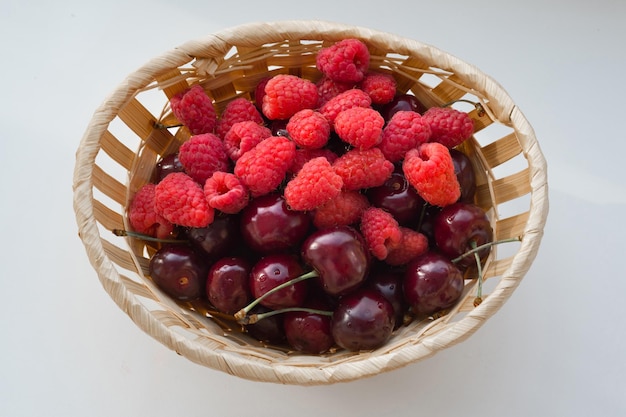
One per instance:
[(253, 318), (240, 316), (120, 232), (479, 290), (484, 246)]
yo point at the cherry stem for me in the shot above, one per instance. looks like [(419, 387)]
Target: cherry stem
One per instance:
[(479, 290), (479, 107), (253, 318), (120, 232), (158, 125), (241, 314), (484, 246)]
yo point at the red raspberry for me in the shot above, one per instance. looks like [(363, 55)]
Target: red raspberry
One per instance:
[(449, 126), (202, 155), (345, 61), (412, 245), (315, 184), (405, 130), (305, 155), (344, 210), (348, 99), (287, 94), (237, 110), (244, 136), (381, 231), (180, 200), (194, 109), (143, 217), (265, 166), (363, 168), (328, 88), (259, 92), (309, 129), (381, 87), (361, 127), (430, 170), (225, 192)]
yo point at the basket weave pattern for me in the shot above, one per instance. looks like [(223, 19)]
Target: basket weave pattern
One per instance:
[(123, 142)]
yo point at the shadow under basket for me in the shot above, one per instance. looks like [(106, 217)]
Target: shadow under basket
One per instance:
[(123, 141)]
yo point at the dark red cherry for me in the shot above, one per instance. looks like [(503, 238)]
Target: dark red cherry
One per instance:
[(432, 283), (404, 102), (268, 225), (465, 174), (340, 256), (272, 271), (179, 271), (269, 330), (460, 227), (397, 197), (309, 332), (166, 165), (389, 283), (218, 239), (227, 286), (364, 319)]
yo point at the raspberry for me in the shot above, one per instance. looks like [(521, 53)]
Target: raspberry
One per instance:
[(381, 231), (405, 130), (363, 168), (430, 170), (305, 155), (343, 210), (194, 109), (309, 129), (348, 99), (328, 88), (287, 94), (361, 127), (225, 192), (449, 126), (143, 217), (202, 155), (180, 200), (237, 110), (412, 245), (243, 136), (381, 87), (315, 184), (345, 61), (265, 166)]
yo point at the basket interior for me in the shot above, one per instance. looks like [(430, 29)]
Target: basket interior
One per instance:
[(130, 143)]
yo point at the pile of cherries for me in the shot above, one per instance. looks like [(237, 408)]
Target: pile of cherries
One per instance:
[(313, 291)]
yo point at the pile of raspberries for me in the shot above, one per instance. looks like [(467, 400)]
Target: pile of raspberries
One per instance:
[(321, 144)]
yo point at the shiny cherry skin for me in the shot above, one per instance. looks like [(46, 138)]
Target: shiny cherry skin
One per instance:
[(340, 257), (272, 271), (270, 330), (218, 239), (460, 226), (227, 286), (465, 174), (179, 271), (432, 283), (166, 165), (397, 197), (269, 226), (389, 284), (363, 320), (402, 102), (309, 332)]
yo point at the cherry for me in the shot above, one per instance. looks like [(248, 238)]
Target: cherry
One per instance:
[(179, 271), (401, 102), (270, 330), (465, 174), (166, 165), (272, 271), (227, 286), (218, 239), (364, 319), (308, 331), (340, 256), (389, 284), (268, 225), (459, 228), (432, 283), (397, 197)]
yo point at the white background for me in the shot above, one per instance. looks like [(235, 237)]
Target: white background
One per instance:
[(556, 348)]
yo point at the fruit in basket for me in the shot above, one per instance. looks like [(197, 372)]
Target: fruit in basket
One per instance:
[(397, 197), (405, 130), (401, 102), (194, 109), (449, 126), (287, 94), (179, 271), (315, 184), (166, 165), (270, 272), (202, 155), (309, 331), (465, 175), (181, 201), (227, 286), (143, 216), (218, 239)]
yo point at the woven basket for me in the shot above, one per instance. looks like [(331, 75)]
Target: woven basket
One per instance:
[(121, 145)]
